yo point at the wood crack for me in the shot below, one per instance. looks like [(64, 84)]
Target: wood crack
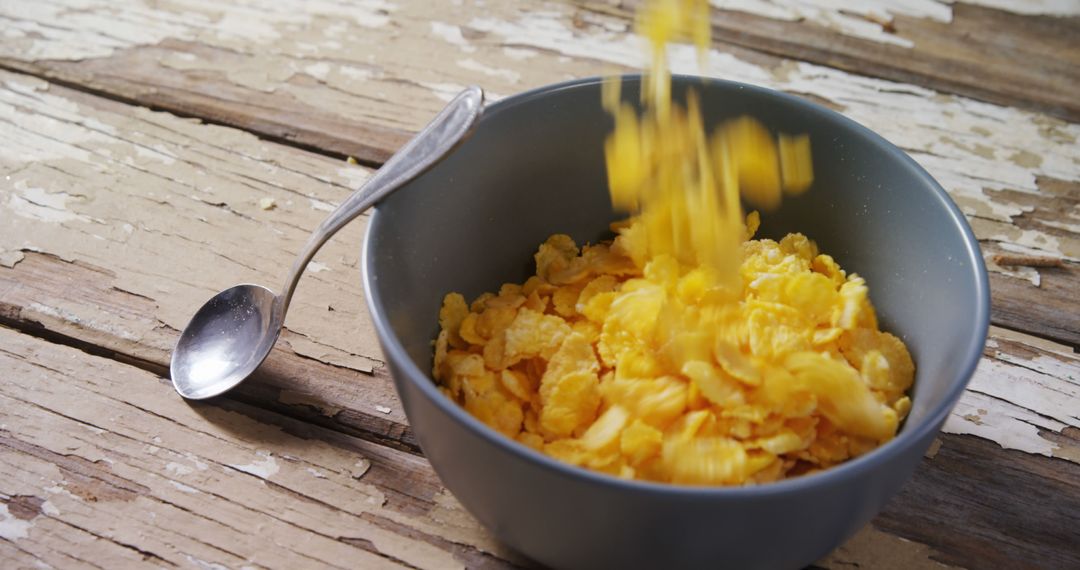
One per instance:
[(45, 454), (30, 71)]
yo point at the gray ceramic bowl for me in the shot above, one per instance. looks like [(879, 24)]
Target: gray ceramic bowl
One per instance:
[(535, 167)]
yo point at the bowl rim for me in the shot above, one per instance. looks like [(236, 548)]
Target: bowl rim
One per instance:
[(837, 474)]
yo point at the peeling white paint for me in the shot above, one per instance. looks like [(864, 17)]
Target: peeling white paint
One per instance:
[(178, 469), (1009, 426), (355, 177), (318, 70), (443, 91), (383, 409), (316, 267), (200, 465), (356, 73), (316, 473), (184, 488), (65, 315), (1032, 242), (41, 205), (263, 468), (1009, 399), (261, 72), (870, 19), (360, 468), (10, 259), (11, 527), (1032, 7), (866, 19), (49, 509), (204, 565), (508, 75), (451, 34), (44, 30), (320, 205), (159, 153), (973, 149), (519, 54)]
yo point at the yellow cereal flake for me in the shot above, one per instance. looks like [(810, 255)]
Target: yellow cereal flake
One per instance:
[(683, 350)]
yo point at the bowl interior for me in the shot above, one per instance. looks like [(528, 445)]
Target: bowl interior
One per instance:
[(535, 167)]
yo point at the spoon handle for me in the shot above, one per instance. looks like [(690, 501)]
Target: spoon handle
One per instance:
[(451, 126)]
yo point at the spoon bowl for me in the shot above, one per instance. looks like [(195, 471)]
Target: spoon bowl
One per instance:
[(230, 336), (226, 341)]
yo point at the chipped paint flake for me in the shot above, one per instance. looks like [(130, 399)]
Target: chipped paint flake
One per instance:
[(320, 205), (872, 19), (869, 19), (39, 204), (32, 33), (263, 468), (1010, 399), (10, 259), (508, 75), (451, 34), (11, 527), (442, 91), (1032, 7), (383, 409), (184, 488), (49, 509), (360, 468), (178, 469), (65, 315), (204, 565)]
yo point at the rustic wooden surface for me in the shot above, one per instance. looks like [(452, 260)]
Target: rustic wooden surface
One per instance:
[(137, 139)]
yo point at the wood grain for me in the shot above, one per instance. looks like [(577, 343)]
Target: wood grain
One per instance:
[(102, 465), (119, 219), (80, 276), (1029, 61), (356, 85), (197, 228)]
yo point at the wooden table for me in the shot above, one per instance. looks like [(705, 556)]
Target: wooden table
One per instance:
[(152, 153)]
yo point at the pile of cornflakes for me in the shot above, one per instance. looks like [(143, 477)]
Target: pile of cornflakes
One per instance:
[(659, 371), (684, 350)]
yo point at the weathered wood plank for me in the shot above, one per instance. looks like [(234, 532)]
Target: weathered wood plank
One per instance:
[(125, 296), (353, 81), (991, 54), (74, 167), (166, 207), (971, 485), (102, 465)]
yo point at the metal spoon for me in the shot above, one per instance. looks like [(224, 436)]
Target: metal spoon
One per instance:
[(233, 332)]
